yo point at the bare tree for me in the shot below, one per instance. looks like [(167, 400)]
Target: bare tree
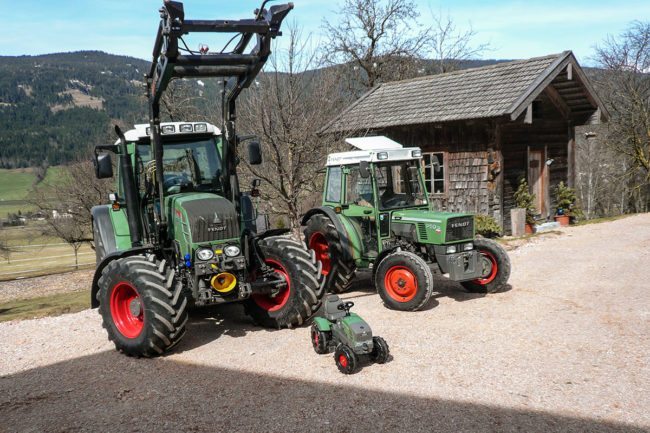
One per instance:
[(448, 46), (181, 101), (68, 204), (5, 249), (626, 89), (285, 108), (381, 39)]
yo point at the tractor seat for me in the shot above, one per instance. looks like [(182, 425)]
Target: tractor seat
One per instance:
[(332, 313)]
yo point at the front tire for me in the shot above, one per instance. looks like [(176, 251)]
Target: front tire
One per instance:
[(404, 281), (380, 350), (322, 237), (301, 298), (496, 268), (143, 310)]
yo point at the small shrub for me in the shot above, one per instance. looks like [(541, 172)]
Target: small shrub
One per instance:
[(524, 200), (565, 199), (487, 226)]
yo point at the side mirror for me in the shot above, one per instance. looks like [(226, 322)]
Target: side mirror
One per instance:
[(103, 166), (364, 169), (254, 153)]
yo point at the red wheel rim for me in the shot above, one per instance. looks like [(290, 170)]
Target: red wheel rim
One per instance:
[(401, 283), (126, 310), (343, 360), (318, 243), (275, 303), (315, 338), (493, 272)]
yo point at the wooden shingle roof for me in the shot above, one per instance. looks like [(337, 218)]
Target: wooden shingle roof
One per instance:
[(503, 89)]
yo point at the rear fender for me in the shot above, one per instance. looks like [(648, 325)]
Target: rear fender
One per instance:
[(322, 324)]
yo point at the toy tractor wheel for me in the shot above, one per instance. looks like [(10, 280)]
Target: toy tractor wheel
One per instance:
[(496, 268), (142, 308), (404, 281), (300, 298), (322, 237), (346, 359), (318, 340), (380, 350)]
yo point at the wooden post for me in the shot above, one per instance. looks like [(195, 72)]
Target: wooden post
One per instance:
[(518, 221)]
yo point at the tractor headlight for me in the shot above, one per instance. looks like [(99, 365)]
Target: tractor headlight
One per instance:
[(469, 246), (382, 155), (168, 129), (186, 127), (451, 249), (204, 254), (416, 153), (232, 250), (200, 127)]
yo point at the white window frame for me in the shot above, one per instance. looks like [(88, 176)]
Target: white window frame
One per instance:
[(435, 177)]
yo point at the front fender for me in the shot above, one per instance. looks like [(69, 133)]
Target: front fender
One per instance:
[(94, 303)]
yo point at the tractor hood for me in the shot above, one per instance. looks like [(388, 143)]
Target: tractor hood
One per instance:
[(201, 218), (434, 227)]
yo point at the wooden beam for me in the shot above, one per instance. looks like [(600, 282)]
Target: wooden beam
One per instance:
[(529, 114), (569, 71), (557, 101)]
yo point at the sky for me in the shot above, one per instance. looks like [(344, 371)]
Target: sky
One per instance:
[(514, 29)]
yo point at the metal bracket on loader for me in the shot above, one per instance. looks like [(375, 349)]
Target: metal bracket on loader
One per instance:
[(238, 67)]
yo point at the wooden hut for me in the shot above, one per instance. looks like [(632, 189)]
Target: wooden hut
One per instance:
[(488, 126)]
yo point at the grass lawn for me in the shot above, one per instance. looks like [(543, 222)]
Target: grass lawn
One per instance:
[(53, 305), (15, 184)]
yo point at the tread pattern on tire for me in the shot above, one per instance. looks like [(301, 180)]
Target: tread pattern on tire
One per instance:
[(501, 279), (341, 272), (415, 261), (307, 284), (165, 305)]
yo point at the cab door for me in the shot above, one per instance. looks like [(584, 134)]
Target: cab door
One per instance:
[(359, 207)]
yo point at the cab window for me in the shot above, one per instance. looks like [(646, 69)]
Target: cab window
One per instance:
[(334, 181), (358, 189)]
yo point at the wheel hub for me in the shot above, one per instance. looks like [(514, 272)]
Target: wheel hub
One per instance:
[(135, 307)]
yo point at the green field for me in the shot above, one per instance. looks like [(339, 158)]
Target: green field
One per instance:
[(16, 186), (52, 305)]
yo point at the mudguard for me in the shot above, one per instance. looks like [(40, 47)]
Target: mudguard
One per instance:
[(103, 232), (322, 324), (343, 234), (94, 303)]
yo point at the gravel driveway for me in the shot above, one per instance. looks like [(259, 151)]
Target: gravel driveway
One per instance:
[(566, 349)]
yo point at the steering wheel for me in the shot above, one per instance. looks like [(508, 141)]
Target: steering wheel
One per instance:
[(345, 306), (173, 181)]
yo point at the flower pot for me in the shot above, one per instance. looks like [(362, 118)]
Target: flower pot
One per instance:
[(562, 219), (530, 229)]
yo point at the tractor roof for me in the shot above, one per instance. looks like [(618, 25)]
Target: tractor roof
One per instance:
[(141, 131), (373, 149)]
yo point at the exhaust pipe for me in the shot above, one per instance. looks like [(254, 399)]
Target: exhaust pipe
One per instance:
[(130, 192)]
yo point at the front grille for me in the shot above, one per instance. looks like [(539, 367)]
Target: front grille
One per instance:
[(460, 228), (212, 219), (422, 231)]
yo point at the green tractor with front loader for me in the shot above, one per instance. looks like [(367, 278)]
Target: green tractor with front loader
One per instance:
[(376, 216), (178, 231)]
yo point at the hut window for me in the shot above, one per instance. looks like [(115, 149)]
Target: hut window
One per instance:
[(435, 179)]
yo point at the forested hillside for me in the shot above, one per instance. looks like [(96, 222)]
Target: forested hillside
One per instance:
[(54, 106)]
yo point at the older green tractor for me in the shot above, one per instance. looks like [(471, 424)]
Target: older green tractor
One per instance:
[(376, 215)]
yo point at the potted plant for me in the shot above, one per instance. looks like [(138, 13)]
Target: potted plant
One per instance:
[(565, 199), (524, 199)]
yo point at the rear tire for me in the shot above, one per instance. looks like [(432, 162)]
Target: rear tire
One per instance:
[(346, 360), (143, 310), (380, 350), (496, 268), (318, 340), (322, 237), (404, 281), (303, 295)]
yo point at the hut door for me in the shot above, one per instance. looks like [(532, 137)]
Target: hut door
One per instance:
[(537, 177)]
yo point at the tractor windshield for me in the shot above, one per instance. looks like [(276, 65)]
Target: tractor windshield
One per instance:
[(188, 164), (399, 185)]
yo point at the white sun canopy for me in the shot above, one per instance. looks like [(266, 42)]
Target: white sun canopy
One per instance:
[(373, 143)]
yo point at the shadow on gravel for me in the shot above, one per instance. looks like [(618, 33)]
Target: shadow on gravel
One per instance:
[(443, 287), (109, 392), (207, 324)]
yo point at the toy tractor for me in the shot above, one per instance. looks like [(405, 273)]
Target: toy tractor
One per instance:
[(348, 334), (178, 231), (376, 215)]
